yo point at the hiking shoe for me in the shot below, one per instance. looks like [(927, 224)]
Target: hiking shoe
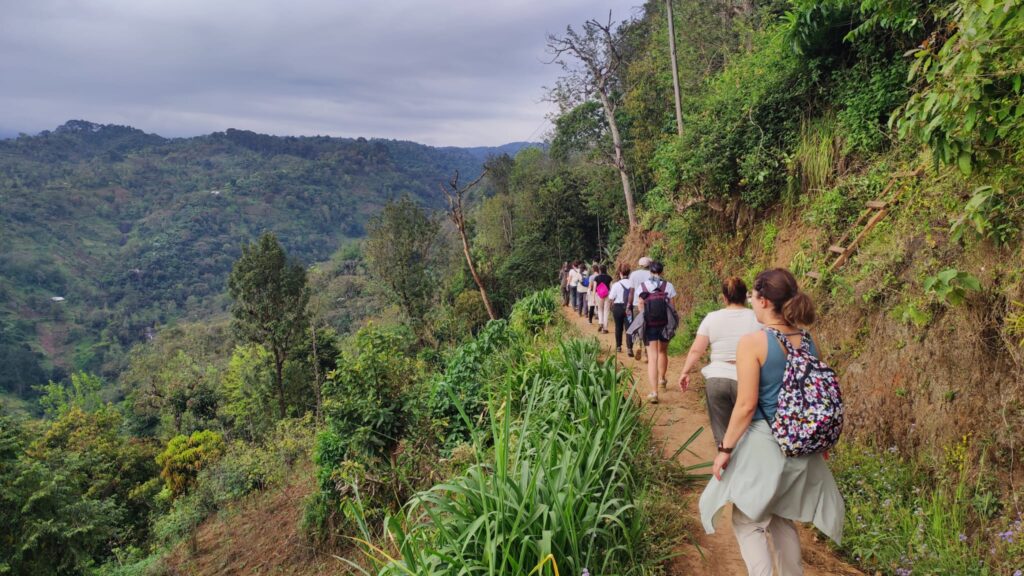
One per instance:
[(618, 350), (664, 383), (652, 398)]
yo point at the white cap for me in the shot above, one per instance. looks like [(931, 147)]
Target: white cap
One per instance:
[(645, 261)]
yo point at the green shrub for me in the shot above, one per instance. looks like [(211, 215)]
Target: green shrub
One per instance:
[(185, 456), (535, 312), (370, 402), (463, 390)]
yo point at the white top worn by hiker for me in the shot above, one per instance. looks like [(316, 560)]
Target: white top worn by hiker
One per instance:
[(637, 277), (620, 291), (723, 329), (574, 278)]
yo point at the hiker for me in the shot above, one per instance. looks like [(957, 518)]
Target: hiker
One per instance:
[(602, 288), (657, 304), (721, 330), (573, 282), (620, 297), (592, 294), (636, 278), (582, 289), (768, 489), (563, 283)]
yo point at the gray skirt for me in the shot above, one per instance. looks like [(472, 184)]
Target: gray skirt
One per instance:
[(760, 480)]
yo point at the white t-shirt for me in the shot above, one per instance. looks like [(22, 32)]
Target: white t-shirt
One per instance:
[(724, 328), (574, 277), (619, 291), (650, 285), (636, 277)]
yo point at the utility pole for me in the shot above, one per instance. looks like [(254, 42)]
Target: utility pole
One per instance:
[(675, 67)]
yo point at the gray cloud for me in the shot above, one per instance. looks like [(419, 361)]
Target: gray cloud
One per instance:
[(444, 72)]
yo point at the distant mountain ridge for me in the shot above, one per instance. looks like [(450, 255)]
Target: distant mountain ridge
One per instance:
[(134, 230)]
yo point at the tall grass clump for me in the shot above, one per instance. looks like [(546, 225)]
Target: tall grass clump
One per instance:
[(558, 485), (818, 156)]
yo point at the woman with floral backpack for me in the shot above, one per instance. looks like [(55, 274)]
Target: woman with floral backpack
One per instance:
[(768, 488)]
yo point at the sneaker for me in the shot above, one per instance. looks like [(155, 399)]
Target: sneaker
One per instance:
[(618, 350), (664, 383), (652, 398)]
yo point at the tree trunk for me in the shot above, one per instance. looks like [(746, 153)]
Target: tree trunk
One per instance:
[(316, 376), (279, 374), (620, 162), (472, 270), (675, 67)]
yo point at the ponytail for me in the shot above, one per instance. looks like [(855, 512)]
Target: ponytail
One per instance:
[(780, 288), (799, 310)]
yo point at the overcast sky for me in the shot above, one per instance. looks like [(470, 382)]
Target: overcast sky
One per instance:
[(440, 72)]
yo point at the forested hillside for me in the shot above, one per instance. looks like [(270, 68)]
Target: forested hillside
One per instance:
[(134, 231), (873, 147)]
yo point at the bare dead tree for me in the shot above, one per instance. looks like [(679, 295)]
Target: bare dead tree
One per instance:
[(596, 48), (458, 217)]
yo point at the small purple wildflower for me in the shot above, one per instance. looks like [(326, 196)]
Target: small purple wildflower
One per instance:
[(1018, 573), (1006, 536), (902, 572), (585, 572), (963, 537)]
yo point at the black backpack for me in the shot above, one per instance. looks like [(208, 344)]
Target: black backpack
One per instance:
[(655, 306)]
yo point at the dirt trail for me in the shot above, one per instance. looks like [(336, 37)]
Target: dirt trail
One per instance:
[(675, 418)]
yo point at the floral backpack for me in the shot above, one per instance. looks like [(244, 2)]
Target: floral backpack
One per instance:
[(809, 417)]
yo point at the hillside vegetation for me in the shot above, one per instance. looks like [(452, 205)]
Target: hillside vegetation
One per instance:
[(134, 230), (427, 429)]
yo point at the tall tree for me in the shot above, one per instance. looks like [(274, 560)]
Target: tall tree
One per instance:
[(271, 294), (596, 47), (402, 249), (458, 217)]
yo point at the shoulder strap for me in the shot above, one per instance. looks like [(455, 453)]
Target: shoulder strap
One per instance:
[(786, 344), (806, 341)]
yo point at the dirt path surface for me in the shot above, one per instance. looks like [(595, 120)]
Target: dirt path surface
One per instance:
[(676, 417)]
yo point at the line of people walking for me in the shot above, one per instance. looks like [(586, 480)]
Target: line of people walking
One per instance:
[(763, 375), (640, 303)]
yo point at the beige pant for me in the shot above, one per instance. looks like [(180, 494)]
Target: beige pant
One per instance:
[(770, 546), (604, 308)]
